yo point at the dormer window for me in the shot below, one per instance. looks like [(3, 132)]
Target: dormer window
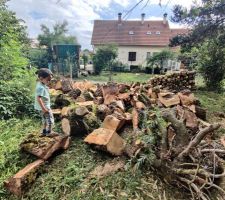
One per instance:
[(157, 32), (149, 33), (131, 32)]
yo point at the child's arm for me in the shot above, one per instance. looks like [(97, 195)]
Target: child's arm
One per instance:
[(40, 101)]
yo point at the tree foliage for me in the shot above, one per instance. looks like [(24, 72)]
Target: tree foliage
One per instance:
[(160, 57), (207, 21), (13, 43), (104, 57), (15, 78), (38, 57), (58, 35)]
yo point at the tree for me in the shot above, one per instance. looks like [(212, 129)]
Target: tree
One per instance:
[(104, 57), (13, 41), (85, 60), (38, 57), (160, 57), (59, 35), (208, 31)]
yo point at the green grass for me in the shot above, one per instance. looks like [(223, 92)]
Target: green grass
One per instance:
[(11, 160), (119, 77)]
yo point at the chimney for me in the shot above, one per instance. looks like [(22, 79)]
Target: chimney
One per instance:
[(119, 18), (165, 18), (142, 18)]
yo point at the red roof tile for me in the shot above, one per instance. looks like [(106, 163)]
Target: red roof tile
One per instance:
[(110, 31)]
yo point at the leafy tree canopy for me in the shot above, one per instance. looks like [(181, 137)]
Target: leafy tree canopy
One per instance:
[(206, 20), (104, 57), (160, 57), (13, 43)]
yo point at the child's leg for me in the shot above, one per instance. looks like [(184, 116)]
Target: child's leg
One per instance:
[(44, 124), (50, 122)]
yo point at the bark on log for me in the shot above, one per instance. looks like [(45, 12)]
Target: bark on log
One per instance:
[(66, 129), (43, 147), (181, 138), (22, 179)]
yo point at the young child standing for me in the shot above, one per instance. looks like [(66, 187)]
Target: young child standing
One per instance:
[(42, 100)]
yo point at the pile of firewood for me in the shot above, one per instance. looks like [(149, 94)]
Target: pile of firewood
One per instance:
[(171, 126), (175, 81)]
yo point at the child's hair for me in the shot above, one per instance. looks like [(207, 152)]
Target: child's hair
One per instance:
[(44, 73)]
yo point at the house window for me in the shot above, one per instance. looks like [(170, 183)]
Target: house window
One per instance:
[(132, 56), (131, 32), (157, 32), (149, 55)]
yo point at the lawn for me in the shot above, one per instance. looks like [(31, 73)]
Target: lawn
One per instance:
[(119, 77)]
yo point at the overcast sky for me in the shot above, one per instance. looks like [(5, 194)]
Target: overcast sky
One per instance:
[(80, 14)]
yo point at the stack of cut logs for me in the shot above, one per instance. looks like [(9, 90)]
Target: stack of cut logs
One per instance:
[(101, 112), (175, 81)]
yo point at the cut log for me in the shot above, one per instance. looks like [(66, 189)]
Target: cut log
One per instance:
[(112, 123), (108, 99), (169, 99), (75, 93), (85, 103), (106, 140), (119, 104), (135, 119), (200, 112), (191, 120), (56, 111), (88, 96), (21, 181), (124, 96), (66, 129), (62, 100), (43, 147), (67, 85), (99, 100), (81, 111), (102, 111), (58, 85), (66, 111), (186, 98), (91, 122)]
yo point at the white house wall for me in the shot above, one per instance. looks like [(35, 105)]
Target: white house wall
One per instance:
[(141, 54)]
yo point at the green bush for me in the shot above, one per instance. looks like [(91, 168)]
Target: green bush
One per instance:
[(15, 100)]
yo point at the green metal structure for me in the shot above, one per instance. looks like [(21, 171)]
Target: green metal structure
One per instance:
[(66, 58)]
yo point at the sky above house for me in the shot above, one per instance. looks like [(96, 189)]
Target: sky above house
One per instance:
[(81, 14)]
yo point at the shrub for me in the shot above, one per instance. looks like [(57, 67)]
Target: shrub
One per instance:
[(15, 100), (211, 60)]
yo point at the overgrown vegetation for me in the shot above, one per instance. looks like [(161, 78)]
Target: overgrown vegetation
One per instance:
[(16, 80), (207, 35)]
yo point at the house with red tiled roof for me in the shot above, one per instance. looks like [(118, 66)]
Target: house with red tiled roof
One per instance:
[(136, 40)]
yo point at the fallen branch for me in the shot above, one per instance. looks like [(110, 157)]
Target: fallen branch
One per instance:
[(198, 139)]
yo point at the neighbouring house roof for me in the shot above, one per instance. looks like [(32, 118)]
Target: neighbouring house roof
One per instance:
[(151, 33)]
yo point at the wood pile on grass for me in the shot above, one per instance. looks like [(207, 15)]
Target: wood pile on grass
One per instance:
[(169, 129)]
